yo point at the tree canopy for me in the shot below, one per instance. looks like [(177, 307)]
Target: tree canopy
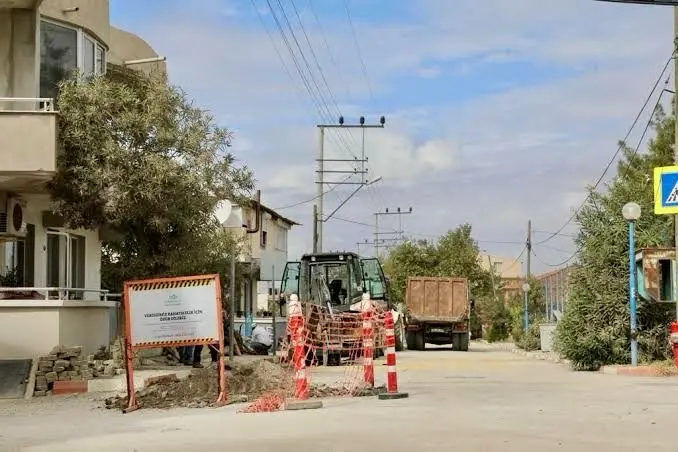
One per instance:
[(139, 159), (595, 328)]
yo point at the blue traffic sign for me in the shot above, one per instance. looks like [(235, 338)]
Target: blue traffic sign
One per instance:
[(666, 190)]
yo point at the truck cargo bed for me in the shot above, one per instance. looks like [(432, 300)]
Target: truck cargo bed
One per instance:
[(437, 299)]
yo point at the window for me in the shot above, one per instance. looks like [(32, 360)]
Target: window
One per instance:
[(282, 239), (497, 267), (63, 50), (58, 56), (65, 262), (99, 60), (263, 239), (88, 47)]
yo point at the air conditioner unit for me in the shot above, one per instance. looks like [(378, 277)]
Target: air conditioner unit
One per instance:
[(12, 219)]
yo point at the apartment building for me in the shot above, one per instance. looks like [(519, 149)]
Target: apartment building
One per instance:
[(50, 275)]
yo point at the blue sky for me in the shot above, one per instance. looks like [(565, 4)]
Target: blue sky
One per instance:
[(497, 111)]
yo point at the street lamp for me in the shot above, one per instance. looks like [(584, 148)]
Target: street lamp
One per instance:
[(631, 213), (526, 318)]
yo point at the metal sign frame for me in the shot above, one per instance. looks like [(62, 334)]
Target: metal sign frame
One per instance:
[(185, 283)]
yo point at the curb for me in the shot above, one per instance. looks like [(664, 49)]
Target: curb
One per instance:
[(537, 355), (639, 371), (541, 356)]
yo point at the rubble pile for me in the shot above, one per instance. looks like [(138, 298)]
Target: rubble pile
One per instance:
[(200, 389), (68, 363)]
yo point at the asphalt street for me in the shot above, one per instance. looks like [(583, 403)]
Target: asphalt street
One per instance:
[(482, 400)]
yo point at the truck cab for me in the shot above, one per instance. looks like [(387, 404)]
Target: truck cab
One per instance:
[(336, 280)]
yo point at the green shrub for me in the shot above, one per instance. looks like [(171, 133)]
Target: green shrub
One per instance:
[(500, 323), (530, 341)]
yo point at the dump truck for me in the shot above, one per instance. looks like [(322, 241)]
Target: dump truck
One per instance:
[(438, 312)]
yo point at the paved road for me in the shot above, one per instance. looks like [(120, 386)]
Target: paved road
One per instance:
[(483, 400)]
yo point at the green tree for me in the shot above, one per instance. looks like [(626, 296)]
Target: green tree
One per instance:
[(139, 160), (595, 329)]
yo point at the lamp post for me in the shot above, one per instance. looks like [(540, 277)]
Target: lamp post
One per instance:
[(631, 213), (526, 314)]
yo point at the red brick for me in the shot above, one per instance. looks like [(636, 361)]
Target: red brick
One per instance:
[(69, 387)]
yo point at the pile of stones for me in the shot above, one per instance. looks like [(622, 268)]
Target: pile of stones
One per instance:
[(68, 363)]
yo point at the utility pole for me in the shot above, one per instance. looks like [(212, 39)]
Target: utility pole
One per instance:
[(400, 231), (528, 245), (320, 217)]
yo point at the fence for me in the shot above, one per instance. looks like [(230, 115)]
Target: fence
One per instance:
[(328, 353)]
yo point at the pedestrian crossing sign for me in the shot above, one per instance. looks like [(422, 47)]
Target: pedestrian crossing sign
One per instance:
[(666, 190)]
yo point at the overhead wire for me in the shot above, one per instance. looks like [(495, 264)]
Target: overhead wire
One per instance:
[(617, 152), (309, 82), (357, 46), (633, 155)]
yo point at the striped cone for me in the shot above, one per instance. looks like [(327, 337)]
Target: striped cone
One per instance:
[(366, 315), (391, 373), (298, 332)]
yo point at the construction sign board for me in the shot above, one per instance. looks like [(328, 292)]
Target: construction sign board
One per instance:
[(666, 190), (173, 312)]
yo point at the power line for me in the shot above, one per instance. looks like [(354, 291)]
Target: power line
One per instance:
[(357, 46), (628, 167), (306, 201), (616, 154), (309, 81)]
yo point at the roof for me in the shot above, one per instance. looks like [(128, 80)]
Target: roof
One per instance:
[(275, 215)]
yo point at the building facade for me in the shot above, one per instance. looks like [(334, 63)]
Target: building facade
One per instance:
[(50, 276), (264, 255), (508, 270)]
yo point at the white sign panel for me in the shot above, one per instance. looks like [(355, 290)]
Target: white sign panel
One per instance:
[(173, 314)]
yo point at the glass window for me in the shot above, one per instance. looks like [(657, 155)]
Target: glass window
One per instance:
[(374, 278), (58, 56), (100, 60), (88, 47)]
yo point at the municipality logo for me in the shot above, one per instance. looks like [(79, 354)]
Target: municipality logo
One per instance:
[(173, 300)]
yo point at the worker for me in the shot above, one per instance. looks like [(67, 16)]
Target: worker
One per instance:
[(261, 340)]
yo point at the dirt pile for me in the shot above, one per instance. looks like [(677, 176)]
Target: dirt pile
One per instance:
[(243, 382)]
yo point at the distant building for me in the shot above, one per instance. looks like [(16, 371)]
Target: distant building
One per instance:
[(508, 270)]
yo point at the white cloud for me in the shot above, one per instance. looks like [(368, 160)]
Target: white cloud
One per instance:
[(495, 161)]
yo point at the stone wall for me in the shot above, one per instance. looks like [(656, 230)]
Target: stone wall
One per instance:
[(68, 363)]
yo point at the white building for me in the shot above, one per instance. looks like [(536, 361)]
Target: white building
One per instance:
[(264, 256), (51, 275)]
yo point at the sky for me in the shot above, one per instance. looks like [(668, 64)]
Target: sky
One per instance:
[(497, 111)]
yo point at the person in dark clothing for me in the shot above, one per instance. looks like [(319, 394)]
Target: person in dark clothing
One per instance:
[(197, 352)]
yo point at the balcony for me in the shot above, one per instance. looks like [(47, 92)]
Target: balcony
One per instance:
[(19, 4), (28, 143)]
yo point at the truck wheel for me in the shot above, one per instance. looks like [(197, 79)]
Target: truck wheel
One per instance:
[(464, 340), (456, 341), (419, 341), (410, 339)]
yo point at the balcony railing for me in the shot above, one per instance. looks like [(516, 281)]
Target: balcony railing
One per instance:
[(56, 293), (33, 104), (28, 142)]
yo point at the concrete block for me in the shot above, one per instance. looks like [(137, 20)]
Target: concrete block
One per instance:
[(295, 405)]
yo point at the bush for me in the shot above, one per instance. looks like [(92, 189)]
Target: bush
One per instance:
[(530, 341), (500, 323)]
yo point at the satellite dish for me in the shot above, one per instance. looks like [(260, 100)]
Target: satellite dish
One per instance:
[(223, 211)]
